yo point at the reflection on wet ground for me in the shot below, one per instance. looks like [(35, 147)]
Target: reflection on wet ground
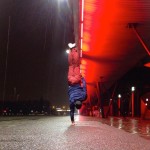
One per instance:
[(131, 125)]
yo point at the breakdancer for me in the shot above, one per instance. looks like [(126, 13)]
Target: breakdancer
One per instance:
[(77, 90)]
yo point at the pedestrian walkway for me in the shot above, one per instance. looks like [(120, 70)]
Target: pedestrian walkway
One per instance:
[(57, 133)]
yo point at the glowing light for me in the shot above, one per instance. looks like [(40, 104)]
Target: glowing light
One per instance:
[(132, 88), (85, 47), (83, 62), (146, 99), (119, 95), (81, 43), (86, 37), (82, 11), (67, 51), (90, 9), (81, 30), (59, 110)]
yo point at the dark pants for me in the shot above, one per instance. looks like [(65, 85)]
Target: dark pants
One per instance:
[(72, 109)]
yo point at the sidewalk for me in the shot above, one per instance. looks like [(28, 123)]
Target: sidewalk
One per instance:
[(56, 133)]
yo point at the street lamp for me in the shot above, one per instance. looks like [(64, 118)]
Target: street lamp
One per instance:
[(132, 88), (132, 99), (119, 95), (119, 98)]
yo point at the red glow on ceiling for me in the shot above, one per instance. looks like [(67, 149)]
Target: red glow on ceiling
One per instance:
[(97, 17), (96, 23), (106, 42)]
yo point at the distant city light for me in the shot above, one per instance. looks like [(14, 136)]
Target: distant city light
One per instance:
[(59, 110), (63, 110), (146, 99)]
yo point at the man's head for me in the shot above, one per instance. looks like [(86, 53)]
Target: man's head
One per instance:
[(78, 104)]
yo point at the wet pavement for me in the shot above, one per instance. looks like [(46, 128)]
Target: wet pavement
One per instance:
[(89, 133), (131, 125)]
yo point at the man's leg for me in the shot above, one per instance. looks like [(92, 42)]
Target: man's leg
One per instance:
[(74, 75), (74, 58), (72, 109)]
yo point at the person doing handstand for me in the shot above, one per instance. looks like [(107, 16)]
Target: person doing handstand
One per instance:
[(77, 90)]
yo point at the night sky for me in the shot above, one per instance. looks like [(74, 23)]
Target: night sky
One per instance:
[(36, 60)]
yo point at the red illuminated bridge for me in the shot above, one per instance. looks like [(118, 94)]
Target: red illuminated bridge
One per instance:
[(113, 40)]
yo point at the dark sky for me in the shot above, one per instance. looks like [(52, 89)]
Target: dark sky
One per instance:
[(37, 63)]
